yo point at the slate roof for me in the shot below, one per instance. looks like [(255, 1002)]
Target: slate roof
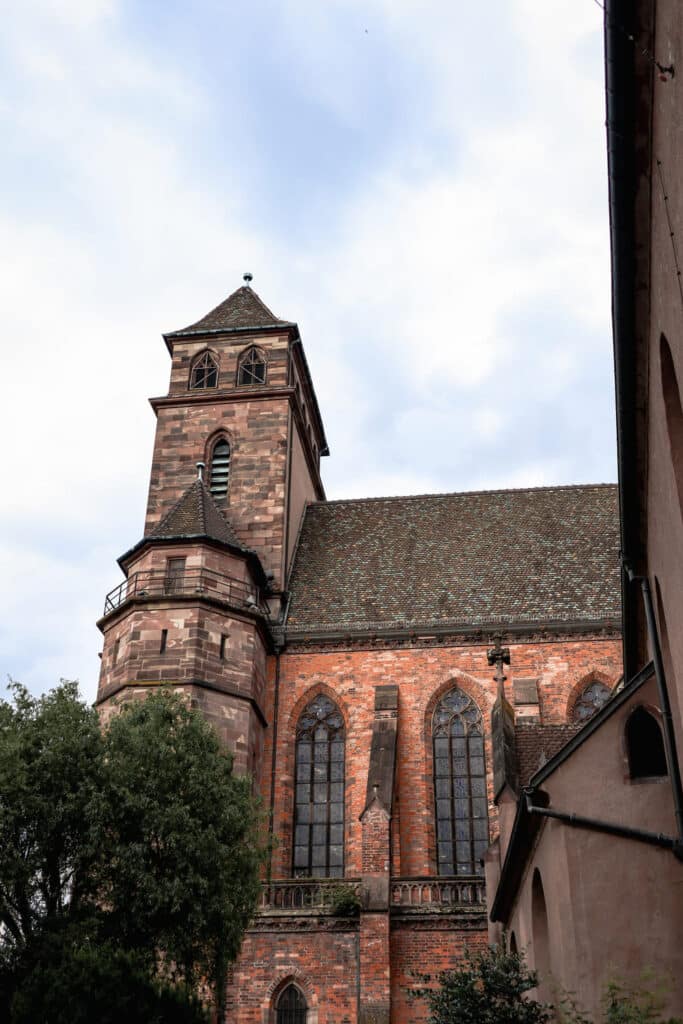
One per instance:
[(478, 558), (195, 515), (243, 310), (536, 744)]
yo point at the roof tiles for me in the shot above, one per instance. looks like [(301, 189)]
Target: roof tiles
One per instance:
[(195, 515), (242, 310), (513, 556)]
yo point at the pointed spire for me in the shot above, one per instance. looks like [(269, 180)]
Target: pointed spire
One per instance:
[(242, 310), (196, 515)]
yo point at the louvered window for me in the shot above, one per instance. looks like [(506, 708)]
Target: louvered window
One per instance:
[(204, 372), (291, 1006), (462, 827), (590, 700), (220, 469), (252, 367), (319, 803)]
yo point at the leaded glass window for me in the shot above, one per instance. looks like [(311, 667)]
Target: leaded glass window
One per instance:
[(204, 373), (291, 1006), (252, 367), (462, 825), (591, 698), (319, 794), (220, 469)]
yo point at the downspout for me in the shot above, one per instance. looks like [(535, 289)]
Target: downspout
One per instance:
[(273, 759), (596, 825), (663, 694)]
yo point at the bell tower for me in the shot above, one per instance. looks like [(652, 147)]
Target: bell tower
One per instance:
[(236, 458)]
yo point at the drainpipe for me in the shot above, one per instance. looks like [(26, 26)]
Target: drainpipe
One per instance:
[(596, 825), (273, 759), (665, 706)]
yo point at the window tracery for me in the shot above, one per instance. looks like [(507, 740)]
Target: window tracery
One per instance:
[(252, 367), (462, 831), (590, 700), (291, 1006), (204, 372), (319, 795)]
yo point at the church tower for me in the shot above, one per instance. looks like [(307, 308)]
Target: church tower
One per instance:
[(236, 458)]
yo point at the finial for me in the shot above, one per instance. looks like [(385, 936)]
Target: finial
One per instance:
[(201, 466), (247, 278)]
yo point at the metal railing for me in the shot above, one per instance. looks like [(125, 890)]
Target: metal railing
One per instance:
[(306, 893), (463, 891), (199, 582)]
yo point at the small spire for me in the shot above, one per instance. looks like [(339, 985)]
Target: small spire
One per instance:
[(248, 278), (201, 466)]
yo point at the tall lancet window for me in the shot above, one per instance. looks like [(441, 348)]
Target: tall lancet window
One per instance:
[(219, 471), (462, 827), (204, 372), (319, 796), (252, 367)]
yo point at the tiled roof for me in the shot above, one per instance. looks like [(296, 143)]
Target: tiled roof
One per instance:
[(240, 311), (195, 515), (514, 556), (536, 744)]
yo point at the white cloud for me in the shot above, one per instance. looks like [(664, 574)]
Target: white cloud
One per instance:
[(490, 206)]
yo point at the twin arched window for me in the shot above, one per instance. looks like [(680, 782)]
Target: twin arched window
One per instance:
[(462, 830), (251, 369), (204, 372), (319, 795)]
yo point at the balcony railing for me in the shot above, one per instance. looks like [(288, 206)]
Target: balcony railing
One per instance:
[(199, 582), (426, 894), (306, 893), (435, 893)]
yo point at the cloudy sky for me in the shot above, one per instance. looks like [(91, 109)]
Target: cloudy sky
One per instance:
[(420, 184)]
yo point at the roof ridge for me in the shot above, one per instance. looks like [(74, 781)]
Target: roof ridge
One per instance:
[(454, 494)]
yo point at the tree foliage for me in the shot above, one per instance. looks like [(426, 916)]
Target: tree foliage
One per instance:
[(137, 838), (488, 987)]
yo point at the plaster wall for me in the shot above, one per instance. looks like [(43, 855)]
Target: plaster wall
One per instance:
[(614, 906), (663, 478)]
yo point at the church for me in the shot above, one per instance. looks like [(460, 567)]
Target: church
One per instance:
[(351, 655)]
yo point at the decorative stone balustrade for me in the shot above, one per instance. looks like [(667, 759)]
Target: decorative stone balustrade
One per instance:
[(306, 894), (464, 892), (313, 895)]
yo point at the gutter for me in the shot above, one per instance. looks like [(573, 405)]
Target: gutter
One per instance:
[(621, 130)]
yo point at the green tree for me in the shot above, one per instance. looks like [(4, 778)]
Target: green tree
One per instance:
[(488, 987), (138, 837)]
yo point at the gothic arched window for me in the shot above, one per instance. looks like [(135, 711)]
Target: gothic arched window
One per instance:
[(204, 372), (219, 471), (291, 1006), (645, 746), (252, 367), (319, 797), (462, 828), (591, 698)]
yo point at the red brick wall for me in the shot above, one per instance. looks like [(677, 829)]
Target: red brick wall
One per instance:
[(423, 675), (421, 947), (323, 961)]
